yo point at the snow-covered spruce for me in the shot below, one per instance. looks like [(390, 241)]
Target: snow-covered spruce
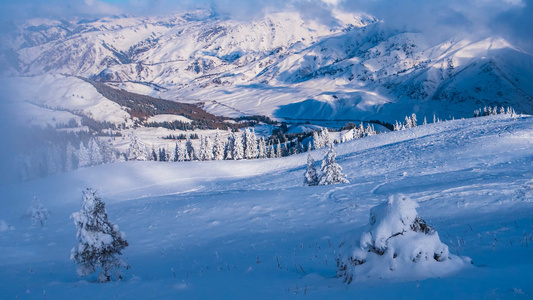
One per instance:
[(39, 214), (397, 244), (310, 176), (100, 243), (331, 172)]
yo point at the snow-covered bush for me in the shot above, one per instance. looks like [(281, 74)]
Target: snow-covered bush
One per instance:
[(38, 213), (397, 244), (100, 243), (331, 172)]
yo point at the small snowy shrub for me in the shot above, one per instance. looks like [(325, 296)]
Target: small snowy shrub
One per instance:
[(100, 242), (397, 244), (38, 213)]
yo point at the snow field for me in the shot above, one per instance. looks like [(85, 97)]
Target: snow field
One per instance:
[(242, 229)]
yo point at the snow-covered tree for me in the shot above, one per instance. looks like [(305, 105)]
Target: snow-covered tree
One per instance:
[(317, 141), (53, 159), (100, 243), (425, 121), (310, 176), (208, 148), (229, 146), (84, 159), (70, 158), (331, 172), (137, 150), (325, 137), (397, 244), (95, 152), (189, 148), (218, 148), (414, 121), (250, 144), (238, 149), (278, 150), (321, 138), (369, 130), (181, 152), (262, 151), (408, 122), (176, 153), (271, 152), (39, 214)]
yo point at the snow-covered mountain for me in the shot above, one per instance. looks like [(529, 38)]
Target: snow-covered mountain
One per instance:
[(282, 65)]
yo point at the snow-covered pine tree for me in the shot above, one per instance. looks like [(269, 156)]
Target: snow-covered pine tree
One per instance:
[(137, 149), (310, 176), (278, 150), (154, 155), (176, 153), (369, 130), (317, 141), (271, 152), (202, 153), (425, 121), (331, 172), (208, 148), (262, 152), (408, 122), (70, 158), (39, 214), (189, 148), (95, 152), (397, 126), (325, 137), (83, 156), (54, 162), (414, 121), (250, 144), (229, 146), (100, 243), (218, 148), (238, 148)]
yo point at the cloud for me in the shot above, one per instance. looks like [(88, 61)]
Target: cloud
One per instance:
[(435, 18)]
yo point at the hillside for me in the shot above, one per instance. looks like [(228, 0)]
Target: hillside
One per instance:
[(241, 229)]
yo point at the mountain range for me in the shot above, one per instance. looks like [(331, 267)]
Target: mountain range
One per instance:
[(282, 65)]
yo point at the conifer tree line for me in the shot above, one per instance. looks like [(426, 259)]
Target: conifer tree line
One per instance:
[(411, 121), (59, 151), (47, 151)]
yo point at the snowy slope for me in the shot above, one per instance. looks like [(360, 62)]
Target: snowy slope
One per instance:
[(241, 229), (281, 65)]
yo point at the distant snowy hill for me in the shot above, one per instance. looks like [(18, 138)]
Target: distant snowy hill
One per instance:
[(281, 65)]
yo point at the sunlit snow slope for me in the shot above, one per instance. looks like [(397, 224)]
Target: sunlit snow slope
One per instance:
[(243, 229)]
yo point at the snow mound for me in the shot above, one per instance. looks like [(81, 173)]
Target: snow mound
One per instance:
[(4, 226), (397, 245)]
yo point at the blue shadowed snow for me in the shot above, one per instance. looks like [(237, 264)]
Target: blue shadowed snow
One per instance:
[(243, 229)]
